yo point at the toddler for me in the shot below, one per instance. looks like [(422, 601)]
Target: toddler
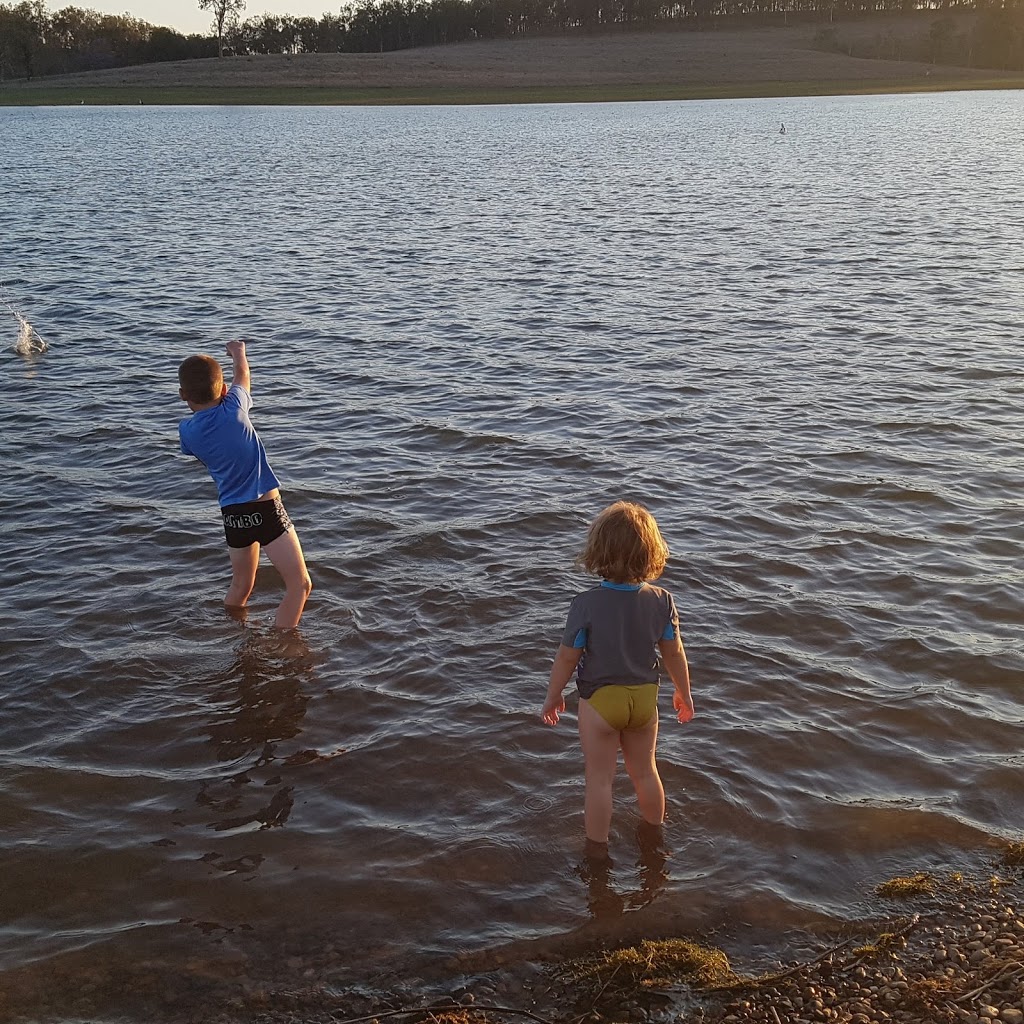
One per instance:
[(612, 639)]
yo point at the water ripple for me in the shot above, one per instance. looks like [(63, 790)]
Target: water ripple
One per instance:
[(809, 374)]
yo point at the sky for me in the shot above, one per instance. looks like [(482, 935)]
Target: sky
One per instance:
[(185, 16)]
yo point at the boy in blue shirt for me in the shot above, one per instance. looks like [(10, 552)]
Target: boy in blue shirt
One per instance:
[(220, 435)]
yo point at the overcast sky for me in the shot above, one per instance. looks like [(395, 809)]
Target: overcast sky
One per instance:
[(186, 16)]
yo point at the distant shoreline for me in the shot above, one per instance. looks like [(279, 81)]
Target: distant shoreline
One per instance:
[(720, 64), (384, 96)]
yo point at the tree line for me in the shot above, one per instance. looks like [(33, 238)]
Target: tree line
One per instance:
[(992, 38), (34, 41)]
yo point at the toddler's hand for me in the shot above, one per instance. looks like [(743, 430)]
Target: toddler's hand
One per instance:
[(553, 707), (683, 706), (235, 348)]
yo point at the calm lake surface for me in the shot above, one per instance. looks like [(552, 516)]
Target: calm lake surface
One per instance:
[(470, 329)]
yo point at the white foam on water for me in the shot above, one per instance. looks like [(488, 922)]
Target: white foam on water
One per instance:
[(29, 342)]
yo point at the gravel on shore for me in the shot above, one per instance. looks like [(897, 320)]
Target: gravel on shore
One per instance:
[(943, 950), (937, 950)]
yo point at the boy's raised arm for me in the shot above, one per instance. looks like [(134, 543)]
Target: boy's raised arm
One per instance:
[(240, 365)]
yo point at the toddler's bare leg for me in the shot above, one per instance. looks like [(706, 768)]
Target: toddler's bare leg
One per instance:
[(286, 554), (600, 744), (244, 562), (638, 753)]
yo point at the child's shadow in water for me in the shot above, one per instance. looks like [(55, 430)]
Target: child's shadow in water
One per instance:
[(604, 900), (263, 702)]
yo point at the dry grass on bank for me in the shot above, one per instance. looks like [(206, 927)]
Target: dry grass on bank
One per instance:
[(734, 62)]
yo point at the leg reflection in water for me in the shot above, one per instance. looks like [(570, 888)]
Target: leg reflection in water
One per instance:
[(652, 863), (262, 703), (596, 867), (596, 871)]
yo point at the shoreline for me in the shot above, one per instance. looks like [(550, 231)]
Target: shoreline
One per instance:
[(934, 947), (54, 96)]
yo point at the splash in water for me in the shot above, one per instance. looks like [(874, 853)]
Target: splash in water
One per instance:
[(29, 343)]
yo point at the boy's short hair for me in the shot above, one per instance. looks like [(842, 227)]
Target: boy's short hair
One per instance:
[(201, 379), (624, 545)]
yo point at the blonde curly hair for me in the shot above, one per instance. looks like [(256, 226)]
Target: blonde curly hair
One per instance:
[(624, 545)]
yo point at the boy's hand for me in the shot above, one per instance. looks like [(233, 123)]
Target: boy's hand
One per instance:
[(553, 707), (683, 706), (235, 349)]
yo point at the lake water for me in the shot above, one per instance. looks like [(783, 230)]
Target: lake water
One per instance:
[(470, 329)]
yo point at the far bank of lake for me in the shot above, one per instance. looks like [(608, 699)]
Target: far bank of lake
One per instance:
[(115, 96), (628, 67)]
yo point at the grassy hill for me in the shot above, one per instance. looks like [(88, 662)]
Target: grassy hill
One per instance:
[(662, 65)]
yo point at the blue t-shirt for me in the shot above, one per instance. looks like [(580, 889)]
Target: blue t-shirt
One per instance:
[(224, 440), (618, 625)]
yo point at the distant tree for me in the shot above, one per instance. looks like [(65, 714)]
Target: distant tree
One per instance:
[(34, 42), (9, 24), (167, 44), (998, 40), (261, 34), (23, 36), (330, 33), (222, 11), (940, 37)]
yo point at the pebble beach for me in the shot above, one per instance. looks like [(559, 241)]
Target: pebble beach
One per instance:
[(941, 950)]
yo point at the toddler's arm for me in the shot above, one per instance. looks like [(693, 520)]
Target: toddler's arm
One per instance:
[(240, 365), (673, 657), (566, 660)]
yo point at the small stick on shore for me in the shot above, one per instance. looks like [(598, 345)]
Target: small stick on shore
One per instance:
[(429, 1011), (597, 998), (1006, 974)]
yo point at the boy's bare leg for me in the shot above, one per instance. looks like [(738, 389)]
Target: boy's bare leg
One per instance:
[(286, 554), (244, 562), (638, 753), (600, 744)]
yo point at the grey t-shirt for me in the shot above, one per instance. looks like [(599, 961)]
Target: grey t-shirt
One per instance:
[(618, 626)]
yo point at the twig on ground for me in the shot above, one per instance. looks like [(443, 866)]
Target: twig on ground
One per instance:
[(1003, 975), (429, 1011), (597, 998), (799, 967)]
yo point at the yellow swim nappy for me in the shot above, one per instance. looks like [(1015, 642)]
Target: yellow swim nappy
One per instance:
[(626, 707)]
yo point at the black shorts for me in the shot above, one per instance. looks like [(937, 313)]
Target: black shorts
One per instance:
[(255, 522)]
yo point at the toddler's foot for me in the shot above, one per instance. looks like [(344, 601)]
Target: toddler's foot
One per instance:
[(649, 835)]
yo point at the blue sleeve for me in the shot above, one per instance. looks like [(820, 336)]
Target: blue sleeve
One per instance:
[(185, 450), (237, 395)]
